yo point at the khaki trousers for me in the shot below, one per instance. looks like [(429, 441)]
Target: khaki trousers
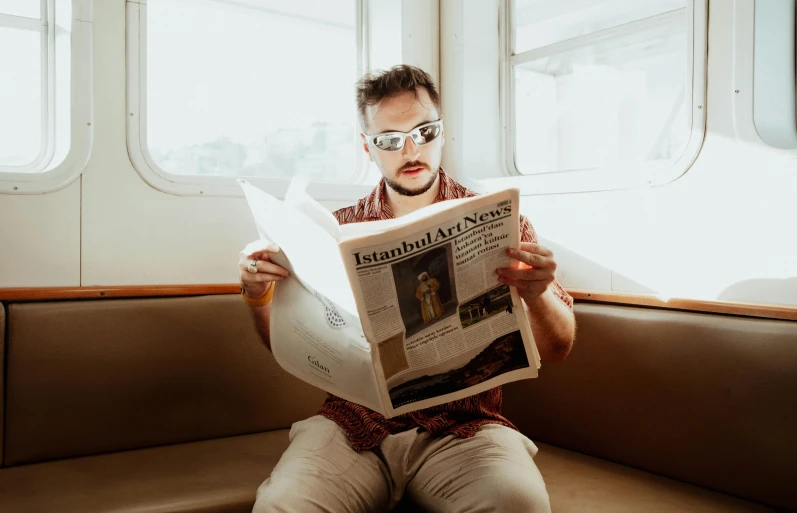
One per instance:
[(321, 472)]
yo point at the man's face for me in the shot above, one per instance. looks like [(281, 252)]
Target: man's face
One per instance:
[(413, 169)]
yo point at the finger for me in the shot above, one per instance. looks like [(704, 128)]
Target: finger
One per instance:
[(522, 255), (537, 249), (525, 274), (264, 266), (257, 256), (262, 254)]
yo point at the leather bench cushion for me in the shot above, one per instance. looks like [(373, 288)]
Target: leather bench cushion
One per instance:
[(89, 377), (579, 483), (706, 399), (222, 476)]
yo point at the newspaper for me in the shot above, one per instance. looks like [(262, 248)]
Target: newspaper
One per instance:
[(402, 314)]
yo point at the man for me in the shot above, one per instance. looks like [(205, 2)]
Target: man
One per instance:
[(461, 456), (426, 293)]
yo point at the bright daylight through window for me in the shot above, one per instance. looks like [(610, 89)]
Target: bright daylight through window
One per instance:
[(34, 84), (600, 85), (253, 88)]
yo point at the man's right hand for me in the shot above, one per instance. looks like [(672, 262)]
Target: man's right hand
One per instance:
[(257, 284)]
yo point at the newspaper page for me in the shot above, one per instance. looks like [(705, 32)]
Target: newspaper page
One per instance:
[(440, 324), (315, 330)]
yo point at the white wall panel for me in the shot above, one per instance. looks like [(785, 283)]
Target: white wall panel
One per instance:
[(469, 86), (40, 239), (580, 243), (420, 34), (452, 70)]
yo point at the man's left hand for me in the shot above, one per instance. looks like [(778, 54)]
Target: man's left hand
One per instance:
[(534, 273)]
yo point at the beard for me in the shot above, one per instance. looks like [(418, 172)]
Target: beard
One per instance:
[(404, 191)]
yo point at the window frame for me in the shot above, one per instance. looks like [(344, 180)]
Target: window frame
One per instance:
[(217, 186), (34, 178), (605, 179)]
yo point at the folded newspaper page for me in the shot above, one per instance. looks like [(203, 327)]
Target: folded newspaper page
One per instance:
[(397, 315)]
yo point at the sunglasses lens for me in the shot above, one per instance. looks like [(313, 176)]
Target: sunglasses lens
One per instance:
[(389, 142), (395, 141), (427, 134)]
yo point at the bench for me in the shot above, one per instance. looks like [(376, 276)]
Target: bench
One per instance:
[(173, 405)]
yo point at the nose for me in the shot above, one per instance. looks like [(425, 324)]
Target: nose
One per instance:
[(410, 151)]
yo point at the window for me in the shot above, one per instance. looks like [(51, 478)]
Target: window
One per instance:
[(774, 73), (42, 146), (34, 84), (259, 89), (600, 92)]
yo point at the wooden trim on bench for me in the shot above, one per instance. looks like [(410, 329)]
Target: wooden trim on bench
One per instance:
[(45, 293), (692, 305), (580, 295)]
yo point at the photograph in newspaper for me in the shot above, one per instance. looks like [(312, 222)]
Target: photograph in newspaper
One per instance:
[(485, 306), (425, 288), (504, 354)]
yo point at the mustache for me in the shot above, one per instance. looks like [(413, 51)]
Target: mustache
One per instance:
[(414, 164)]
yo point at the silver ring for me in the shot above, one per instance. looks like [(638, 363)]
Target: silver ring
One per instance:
[(252, 268)]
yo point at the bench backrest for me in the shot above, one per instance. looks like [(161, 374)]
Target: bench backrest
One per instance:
[(708, 399), (96, 376)]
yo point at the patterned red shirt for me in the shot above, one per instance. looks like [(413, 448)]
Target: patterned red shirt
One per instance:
[(366, 428)]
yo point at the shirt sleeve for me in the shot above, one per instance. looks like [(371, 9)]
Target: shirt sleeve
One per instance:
[(527, 234)]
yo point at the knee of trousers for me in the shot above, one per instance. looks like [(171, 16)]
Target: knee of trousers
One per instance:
[(288, 498), (520, 496)]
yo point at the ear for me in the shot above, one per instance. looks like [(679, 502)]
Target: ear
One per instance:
[(443, 135), (366, 147)]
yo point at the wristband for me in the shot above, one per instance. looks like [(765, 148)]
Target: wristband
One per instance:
[(259, 301)]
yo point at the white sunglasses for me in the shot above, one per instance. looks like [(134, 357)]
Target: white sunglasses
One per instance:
[(394, 141)]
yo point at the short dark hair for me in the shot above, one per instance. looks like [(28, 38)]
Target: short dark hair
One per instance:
[(380, 85)]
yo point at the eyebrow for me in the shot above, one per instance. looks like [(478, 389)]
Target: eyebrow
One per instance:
[(410, 130)]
